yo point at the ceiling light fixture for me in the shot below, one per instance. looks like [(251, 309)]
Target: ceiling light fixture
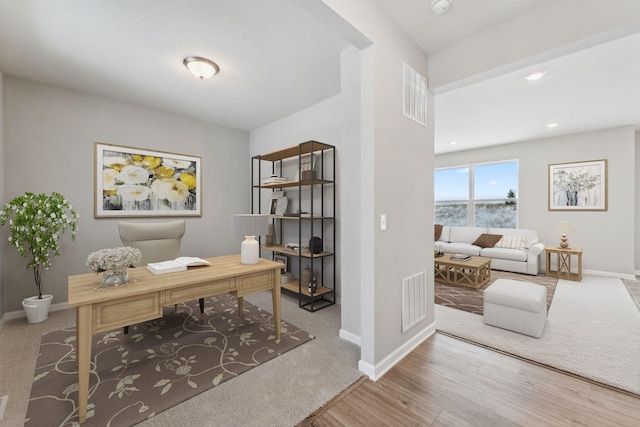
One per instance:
[(201, 67), (453, 142), (536, 75), (440, 6), (551, 125)]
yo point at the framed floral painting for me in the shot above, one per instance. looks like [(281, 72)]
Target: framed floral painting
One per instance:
[(136, 182), (578, 186)]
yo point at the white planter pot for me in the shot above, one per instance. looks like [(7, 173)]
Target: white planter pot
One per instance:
[(37, 310)]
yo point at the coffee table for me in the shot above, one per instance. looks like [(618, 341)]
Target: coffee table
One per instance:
[(473, 272)]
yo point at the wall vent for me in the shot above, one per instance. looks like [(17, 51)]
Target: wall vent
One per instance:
[(414, 299), (414, 95)]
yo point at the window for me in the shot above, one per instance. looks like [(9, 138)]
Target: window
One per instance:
[(483, 195)]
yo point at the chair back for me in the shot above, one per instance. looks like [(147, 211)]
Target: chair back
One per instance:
[(157, 241)]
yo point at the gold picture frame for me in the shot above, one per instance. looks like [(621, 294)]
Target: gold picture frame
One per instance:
[(578, 186)]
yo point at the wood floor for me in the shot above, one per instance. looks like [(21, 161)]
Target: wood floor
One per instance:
[(449, 382)]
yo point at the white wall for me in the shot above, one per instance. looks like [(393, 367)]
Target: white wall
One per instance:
[(607, 238), (637, 204), (49, 144)]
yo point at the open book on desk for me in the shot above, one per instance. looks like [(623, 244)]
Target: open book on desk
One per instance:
[(178, 264)]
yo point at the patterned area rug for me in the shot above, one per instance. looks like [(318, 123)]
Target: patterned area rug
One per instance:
[(469, 299), (166, 361)]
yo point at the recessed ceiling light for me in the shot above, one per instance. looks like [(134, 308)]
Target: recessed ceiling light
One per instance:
[(536, 75), (201, 67), (551, 124), (453, 142)]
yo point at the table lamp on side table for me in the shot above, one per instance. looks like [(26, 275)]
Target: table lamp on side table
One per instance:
[(564, 228), (250, 226)]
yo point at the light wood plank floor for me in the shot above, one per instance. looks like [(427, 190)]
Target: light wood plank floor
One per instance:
[(449, 382)]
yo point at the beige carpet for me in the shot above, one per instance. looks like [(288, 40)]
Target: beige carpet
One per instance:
[(592, 330)]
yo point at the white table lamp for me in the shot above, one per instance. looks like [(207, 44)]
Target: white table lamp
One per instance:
[(564, 228), (250, 226)]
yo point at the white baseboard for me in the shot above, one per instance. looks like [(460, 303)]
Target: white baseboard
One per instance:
[(376, 372), (352, 338), (20, 313), (608, 274)]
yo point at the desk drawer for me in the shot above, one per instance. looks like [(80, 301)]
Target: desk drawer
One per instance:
[(114, 314), (188, 293), (255, 282)]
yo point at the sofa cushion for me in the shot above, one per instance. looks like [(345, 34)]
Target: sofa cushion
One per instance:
[(444, 236), (506, 254), (437, 232), (511, 242), (531, 236), (465, 234), (487, 240)]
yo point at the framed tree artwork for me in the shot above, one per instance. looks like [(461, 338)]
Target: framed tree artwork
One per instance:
[(137, 182), (578, 186)]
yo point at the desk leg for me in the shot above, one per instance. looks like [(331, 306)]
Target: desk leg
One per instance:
[(84, 329), (240, 306), (276, 302)]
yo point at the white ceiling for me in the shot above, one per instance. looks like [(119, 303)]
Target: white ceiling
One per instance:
[(276, 59)]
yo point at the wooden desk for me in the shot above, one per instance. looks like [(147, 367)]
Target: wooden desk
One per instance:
[(146, 294), (563, 263)]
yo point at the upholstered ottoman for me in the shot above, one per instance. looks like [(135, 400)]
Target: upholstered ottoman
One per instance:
[(516, 306)]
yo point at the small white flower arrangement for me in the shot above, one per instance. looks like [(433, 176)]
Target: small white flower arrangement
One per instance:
[(113, 259)]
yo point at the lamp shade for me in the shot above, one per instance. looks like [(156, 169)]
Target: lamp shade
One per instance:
[(250, 226), (564, 228)]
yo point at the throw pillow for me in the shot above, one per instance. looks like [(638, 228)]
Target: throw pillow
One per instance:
[(511, 242), (487, 240), (437, 232)]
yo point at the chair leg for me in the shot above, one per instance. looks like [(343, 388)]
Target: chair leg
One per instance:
[(201, 302), (125, 336)]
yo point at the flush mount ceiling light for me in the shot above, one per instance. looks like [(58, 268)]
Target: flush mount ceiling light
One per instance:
[(201, 67), (551, 125), (440, 6), (536, 75), (453, 142)]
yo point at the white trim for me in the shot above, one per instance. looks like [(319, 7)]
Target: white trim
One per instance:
[(20, 313), (376, 372), (3, 405), (352, 338), (608, 274)]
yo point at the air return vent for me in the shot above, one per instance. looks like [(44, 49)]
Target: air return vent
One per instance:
[(414, 299), (414, 95)]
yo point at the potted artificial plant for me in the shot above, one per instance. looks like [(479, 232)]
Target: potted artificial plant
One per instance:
[(36, 222)]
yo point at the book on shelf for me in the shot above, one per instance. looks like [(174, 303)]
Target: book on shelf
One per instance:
[(174, 265), (460, 257)]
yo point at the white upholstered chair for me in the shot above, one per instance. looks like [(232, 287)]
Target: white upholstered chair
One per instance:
[(157, 241)]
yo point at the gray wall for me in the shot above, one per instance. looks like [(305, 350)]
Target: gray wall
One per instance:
[(2, 198), (49, 146), (597, 233)]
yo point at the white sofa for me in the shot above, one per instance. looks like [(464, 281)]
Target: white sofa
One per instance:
[(518, 250)]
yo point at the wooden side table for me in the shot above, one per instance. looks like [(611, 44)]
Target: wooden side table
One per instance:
[(563, 263)]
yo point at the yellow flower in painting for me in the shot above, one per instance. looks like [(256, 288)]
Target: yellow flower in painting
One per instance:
[(163, 172), (133, 175), (114, 162), (170, 189), (189, 179), (147, 162)]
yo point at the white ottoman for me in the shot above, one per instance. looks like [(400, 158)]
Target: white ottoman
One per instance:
[(516, 306)]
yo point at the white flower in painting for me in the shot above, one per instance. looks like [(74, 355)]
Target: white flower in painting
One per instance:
[(133, 175), (109, 177), (170, 189), (114, 162), (133, 193), (175, 164)]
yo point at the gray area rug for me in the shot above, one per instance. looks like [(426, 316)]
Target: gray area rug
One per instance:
[(166, 362), (592, 330)]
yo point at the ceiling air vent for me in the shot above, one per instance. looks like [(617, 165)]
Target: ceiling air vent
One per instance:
[(414, 95)]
